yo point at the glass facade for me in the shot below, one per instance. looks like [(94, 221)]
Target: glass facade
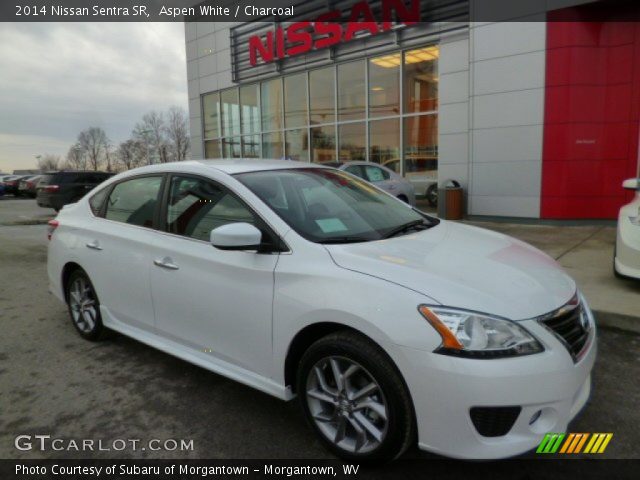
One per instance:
[(382, 109)]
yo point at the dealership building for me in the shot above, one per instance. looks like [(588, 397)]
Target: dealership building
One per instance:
[(536, 117)]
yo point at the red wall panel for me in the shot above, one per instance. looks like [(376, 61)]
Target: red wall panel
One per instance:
[(592, 113)]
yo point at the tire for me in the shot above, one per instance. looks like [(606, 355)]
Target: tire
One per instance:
[(432, 195), (333, 413), (84, 306), (403, 198)]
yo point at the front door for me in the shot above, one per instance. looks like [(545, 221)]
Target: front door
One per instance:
[(209, 300)]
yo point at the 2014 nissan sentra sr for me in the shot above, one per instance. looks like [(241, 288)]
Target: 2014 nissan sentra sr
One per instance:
[(391, 326)]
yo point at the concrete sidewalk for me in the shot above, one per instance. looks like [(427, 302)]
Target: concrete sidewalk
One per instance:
[(586, 253)]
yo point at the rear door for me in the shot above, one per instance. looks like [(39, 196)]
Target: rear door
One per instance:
[(116, 248)]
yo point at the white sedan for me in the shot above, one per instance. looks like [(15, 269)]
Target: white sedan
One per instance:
[(626, 262), (391, 326)]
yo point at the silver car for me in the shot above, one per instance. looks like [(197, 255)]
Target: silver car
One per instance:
[(382, 177)]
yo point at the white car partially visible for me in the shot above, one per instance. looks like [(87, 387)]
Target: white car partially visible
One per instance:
[(626, 261)]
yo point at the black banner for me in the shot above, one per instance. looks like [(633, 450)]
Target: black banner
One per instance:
[(283, 10), (440, 469)]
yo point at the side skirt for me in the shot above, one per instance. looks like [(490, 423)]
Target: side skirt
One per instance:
[(206, 361)]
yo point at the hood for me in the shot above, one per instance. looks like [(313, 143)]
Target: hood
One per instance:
[(465, 267)]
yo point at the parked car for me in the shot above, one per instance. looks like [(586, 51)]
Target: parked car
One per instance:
[(626, 257), (27, 186), (11, 184), (381, 177), (6, 177), (1, 189), (296, 278), (58, 189), (422, 173)]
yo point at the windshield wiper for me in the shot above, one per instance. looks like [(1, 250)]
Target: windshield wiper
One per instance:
[(414, 225), (345, 239)]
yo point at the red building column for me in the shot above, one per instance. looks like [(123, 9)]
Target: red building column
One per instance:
[(592, 113)]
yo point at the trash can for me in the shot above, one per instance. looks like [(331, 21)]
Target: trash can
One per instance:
[(450, 201)]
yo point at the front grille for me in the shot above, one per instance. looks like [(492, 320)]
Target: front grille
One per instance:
[(571, 329), (494, 421)]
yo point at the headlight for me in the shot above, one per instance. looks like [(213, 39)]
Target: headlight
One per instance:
[(470, 334)]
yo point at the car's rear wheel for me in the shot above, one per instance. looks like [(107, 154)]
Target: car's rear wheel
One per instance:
[(355, 399), (84, 306)]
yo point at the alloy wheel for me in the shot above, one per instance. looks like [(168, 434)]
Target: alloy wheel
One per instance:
[(347, 404), (83, 305)]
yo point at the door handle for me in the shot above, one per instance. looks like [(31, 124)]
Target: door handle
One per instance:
[(95, 245), (167, 263)]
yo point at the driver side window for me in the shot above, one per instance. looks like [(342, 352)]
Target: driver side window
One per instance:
[(197, 206)]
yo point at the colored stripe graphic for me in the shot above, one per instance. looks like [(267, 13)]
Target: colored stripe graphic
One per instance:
[(550, 443), (574, 443), (598, 442)]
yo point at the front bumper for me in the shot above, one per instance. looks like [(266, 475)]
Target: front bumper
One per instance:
[(444, 389)]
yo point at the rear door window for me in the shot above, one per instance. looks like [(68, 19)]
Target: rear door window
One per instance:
[(355, 170), (134, 201)]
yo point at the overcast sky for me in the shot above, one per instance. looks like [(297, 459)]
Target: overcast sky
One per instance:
[(57, 79)]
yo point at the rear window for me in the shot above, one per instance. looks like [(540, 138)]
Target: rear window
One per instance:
[(46, 180), (96, 202)]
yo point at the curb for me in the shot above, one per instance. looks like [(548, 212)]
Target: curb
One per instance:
[(618, 321)]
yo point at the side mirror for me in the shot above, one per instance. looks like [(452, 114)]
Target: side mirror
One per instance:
[(236, 236), (631, 184)]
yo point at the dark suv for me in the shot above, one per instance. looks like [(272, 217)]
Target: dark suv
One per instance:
[(57, 189)]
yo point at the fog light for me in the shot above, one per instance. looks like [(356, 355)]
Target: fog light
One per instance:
[(535, 417)]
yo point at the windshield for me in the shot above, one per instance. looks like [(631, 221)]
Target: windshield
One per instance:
[(330, 206)]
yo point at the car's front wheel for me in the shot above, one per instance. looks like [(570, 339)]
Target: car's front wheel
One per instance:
[(84, 306), (355, 399)]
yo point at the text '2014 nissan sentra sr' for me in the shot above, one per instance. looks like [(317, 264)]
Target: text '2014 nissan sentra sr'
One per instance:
[(391, 326)]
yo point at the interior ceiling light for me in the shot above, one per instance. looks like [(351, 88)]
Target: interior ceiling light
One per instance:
[(425, 54), (388, 61)]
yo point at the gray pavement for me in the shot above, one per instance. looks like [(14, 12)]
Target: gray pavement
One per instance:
[(22, 211), (53, 382)]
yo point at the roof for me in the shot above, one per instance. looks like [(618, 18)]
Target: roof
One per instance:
[(243, 165)]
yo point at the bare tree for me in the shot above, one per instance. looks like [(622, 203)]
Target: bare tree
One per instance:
[(108, 155), (93, 142), (49, 162), (151, 130), (177, 131), (76, 158), (131, 153)]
